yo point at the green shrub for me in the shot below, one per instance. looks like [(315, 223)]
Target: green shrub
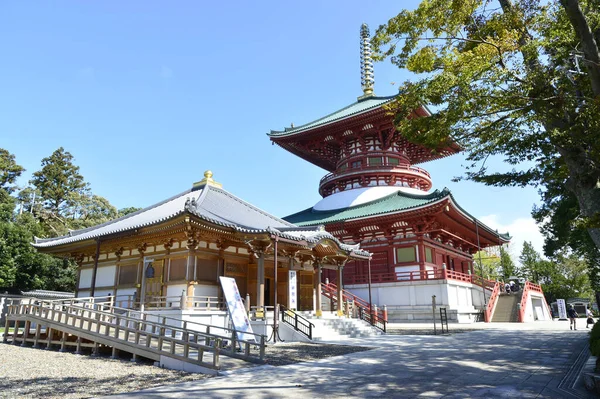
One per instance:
[(595, 344)]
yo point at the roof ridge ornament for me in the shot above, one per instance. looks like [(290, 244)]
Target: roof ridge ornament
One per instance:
[(208, 180), (367, 77)]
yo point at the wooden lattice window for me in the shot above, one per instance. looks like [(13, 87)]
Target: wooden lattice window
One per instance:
[(374, 161), (128, 274), (178, 268), (206, 269), (406, 254), (428, 255)]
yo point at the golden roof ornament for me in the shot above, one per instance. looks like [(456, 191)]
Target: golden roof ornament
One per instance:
[(367, 77), (208, 180)]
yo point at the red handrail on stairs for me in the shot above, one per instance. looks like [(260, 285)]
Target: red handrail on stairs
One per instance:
[(330, 291)]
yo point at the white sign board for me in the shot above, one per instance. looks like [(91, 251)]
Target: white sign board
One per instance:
[(236, 308), (292, 295), (562, 309)]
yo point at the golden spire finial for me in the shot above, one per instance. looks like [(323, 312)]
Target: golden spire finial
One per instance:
[(208, 180), (367, 78)]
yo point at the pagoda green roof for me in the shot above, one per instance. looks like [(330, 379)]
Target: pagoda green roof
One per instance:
[(363, 105), (397, 202)]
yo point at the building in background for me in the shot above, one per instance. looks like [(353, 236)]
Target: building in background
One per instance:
[(374, 194)]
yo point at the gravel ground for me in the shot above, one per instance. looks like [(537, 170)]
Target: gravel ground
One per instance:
[(36, 373)]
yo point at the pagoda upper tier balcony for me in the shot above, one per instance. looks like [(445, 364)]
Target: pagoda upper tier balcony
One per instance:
[(401, 175)]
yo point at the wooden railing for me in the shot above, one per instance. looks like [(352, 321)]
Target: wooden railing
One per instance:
[(163, 336), (210, 303), (374, 316), (298, 322)]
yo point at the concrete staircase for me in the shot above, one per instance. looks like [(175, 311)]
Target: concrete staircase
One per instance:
[(331, 327), (506, 308)]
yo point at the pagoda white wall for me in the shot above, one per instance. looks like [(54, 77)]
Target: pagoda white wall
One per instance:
[(412, 301)]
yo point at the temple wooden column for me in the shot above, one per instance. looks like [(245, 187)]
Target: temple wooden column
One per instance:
[(192, 245), (317, 282), (340, 293), (260, 281)]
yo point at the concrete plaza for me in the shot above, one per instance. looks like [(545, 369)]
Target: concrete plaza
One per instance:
[(496, 360)]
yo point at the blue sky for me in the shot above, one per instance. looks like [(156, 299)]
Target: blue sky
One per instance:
[(147, 95)]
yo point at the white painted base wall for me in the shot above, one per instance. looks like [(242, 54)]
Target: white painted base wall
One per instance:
[(536, 308), (286, 333), (412, 300)]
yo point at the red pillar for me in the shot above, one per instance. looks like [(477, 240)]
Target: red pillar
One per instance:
[(421, 249)]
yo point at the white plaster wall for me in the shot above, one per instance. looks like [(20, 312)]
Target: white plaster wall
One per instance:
[(105, 276), (176, 289), (206, 290), (102, 293), (85, 278), (123, 295), (83, 294)]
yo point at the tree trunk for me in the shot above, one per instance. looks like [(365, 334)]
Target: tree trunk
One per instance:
[(588, 42)]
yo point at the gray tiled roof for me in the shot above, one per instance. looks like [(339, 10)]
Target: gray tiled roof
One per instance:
[(211, 204)]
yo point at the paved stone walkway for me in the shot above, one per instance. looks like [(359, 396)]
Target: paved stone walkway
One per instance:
[(535, 360)]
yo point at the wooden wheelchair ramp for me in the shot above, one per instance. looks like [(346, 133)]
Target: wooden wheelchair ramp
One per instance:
[(173, 343)]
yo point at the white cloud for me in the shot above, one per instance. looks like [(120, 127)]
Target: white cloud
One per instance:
[(521, 229), (166, 72)]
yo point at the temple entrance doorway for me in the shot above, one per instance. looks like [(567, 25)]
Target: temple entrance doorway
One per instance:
[(154, 282)]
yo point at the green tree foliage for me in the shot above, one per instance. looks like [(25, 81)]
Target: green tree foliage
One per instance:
[(519, 79), (507, 265), (128, 210), (530, 262), (487, 264), (60, 186), (567, 278), (9, 170), (564, 276), (560, 221), (58, 200)]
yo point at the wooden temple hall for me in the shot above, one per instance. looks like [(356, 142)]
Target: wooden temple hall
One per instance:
[(171, 255)]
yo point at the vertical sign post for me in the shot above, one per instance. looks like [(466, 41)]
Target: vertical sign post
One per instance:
[(292, 297), (433, 307), (236, 308), (562, 309)]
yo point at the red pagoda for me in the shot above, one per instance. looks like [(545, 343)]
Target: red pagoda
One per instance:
[(375, 195)]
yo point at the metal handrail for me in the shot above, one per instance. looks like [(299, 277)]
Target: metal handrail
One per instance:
[(298, 322), (376, 318)]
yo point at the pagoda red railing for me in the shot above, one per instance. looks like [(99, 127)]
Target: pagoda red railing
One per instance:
[(376, 317), (374, 168), (437, 274)]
